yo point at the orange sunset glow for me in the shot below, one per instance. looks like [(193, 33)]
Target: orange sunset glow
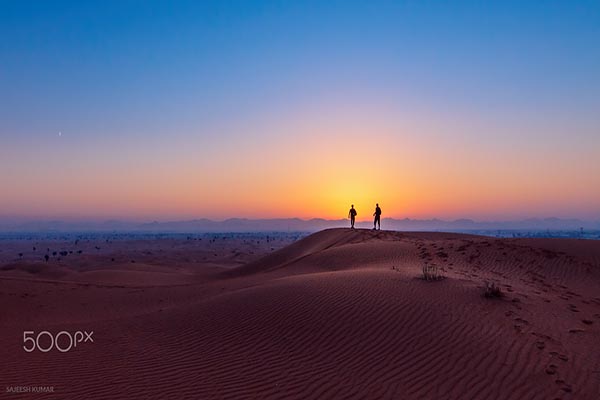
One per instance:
[(306, 166)]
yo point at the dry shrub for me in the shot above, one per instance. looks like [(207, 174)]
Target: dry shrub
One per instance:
[(492, 290), (432, 273)]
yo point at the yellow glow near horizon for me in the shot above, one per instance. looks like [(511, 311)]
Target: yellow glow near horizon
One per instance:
[(305, 167)]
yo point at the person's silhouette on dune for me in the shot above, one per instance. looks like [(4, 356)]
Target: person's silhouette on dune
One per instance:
[(377, 215), (352, 216)]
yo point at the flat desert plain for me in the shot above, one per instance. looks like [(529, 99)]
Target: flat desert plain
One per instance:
[(339, 314)]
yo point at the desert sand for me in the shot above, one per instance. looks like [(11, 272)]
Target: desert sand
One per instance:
[(339, 314)]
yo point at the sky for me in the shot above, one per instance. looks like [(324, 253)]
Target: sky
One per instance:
[(159, 110)]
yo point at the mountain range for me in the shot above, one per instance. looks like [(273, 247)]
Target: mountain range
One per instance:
[(289, 225)]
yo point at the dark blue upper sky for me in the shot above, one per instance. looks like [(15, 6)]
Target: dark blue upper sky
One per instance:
[(127, 57)]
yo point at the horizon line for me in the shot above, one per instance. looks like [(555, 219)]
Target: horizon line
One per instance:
[(92, 219)]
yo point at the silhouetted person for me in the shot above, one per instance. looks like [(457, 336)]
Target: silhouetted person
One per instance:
[(352, 216), (377, 215)]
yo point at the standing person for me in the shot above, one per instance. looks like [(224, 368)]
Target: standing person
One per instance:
[(377, 215), (352, 216)]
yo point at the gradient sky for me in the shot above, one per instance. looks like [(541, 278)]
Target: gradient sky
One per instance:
[(173, 110)]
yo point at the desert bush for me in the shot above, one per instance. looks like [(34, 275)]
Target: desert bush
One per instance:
[(492, 290), (432, 273)]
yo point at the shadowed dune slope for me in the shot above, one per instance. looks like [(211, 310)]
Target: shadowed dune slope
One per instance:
[(308, 246)]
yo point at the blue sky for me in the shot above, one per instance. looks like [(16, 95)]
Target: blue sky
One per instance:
[(129, 83)]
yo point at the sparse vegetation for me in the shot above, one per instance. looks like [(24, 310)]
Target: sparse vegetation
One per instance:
[(431, 272), (492, 290)]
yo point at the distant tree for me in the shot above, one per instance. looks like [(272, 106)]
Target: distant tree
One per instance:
[(21, 255), (46, 257)]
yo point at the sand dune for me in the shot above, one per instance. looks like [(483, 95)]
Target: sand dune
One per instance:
[(339, 314)]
